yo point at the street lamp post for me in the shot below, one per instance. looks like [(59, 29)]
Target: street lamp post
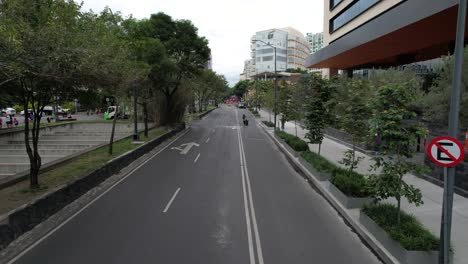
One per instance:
[(135, 124), (275, 80)]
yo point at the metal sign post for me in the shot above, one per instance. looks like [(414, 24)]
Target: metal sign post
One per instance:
[(453, 129)]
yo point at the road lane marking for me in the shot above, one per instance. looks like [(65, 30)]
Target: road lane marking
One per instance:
[(254, 217), (208, 140), (248, 203), (172, 199), (196, 159), (51, 232), (246, 208)]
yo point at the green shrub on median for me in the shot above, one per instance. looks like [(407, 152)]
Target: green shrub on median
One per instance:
[(350, 183), (318, 162), (268, 123), (411, 234), (294, 142)]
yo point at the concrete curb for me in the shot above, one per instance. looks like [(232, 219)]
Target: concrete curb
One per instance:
[(365, 235), (24, 218), (206, 113)]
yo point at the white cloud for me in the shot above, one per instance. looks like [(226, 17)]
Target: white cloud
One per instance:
[(228, 25)]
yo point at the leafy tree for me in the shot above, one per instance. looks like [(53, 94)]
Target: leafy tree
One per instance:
[(39, 54), (207, 86), (318, 109), (353, 112), (436, 103), (393, 121), (241, 88), (49, 48), (187, 53)]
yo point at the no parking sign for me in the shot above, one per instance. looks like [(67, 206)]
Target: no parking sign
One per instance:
[(446, 151)]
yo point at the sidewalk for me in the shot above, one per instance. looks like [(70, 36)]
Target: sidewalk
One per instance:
[(429, 213)]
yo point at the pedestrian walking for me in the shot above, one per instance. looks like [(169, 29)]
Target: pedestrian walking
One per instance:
[(15, 121), (9, 122)]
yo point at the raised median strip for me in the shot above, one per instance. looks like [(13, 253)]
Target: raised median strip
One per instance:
[(24, 218), (365, 235)]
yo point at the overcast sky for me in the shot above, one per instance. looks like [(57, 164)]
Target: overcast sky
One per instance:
[(228, 25)]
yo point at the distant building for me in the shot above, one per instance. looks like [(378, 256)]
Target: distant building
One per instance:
[(209, 63), (291, 50), (315, 41)]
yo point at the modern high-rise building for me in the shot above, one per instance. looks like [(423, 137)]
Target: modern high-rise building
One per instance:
[(361, 34), (291, 51), (315, 41)]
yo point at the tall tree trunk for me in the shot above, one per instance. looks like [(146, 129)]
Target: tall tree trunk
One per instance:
[(166, 117), (354, 156), (33, 155), (320, 147), (111, 141), (145, 116)]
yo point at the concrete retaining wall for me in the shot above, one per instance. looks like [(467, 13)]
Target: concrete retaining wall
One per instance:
[(23, 219)]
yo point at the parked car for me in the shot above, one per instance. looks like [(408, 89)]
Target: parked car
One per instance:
[(8, 111), (241, 105)]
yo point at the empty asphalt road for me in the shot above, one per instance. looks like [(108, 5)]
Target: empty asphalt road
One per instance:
[(222, 193)]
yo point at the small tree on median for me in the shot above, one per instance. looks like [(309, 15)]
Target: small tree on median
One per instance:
[(353, 112), (393, 122), (317, 115)]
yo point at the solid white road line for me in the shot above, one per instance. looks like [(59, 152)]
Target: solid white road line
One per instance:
[(172, 199), (254, 217), (248, 202), (92, 202), (208, 140), (196, 159)]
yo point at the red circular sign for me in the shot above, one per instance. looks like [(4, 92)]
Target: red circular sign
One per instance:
[(446, 151)]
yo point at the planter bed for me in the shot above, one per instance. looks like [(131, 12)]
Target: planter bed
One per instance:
[(290, 150), (394, 247), (320, 175), (348, 202)]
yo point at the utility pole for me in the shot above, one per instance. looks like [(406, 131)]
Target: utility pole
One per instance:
[(446, 225), (135, 109), (276, 91)]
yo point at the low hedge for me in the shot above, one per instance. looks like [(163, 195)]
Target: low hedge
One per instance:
[(294, 142), (318, 162), (411, 234), (268, 123), (350, 183)]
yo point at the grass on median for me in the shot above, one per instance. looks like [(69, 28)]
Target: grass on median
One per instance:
[(19, 194), (411, 234)]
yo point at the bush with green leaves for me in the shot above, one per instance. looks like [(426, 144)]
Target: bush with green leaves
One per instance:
[(294, 142), (410, 233), (393, 121), (350, 183), (318, 162), (268, 123)]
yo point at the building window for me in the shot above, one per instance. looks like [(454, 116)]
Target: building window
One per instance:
[(268, 58), (351, 12), (334, 3)]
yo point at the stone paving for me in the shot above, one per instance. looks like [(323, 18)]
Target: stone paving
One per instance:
[(55, 143)]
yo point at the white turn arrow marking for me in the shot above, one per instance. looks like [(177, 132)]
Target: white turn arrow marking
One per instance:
[(185, 148)]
